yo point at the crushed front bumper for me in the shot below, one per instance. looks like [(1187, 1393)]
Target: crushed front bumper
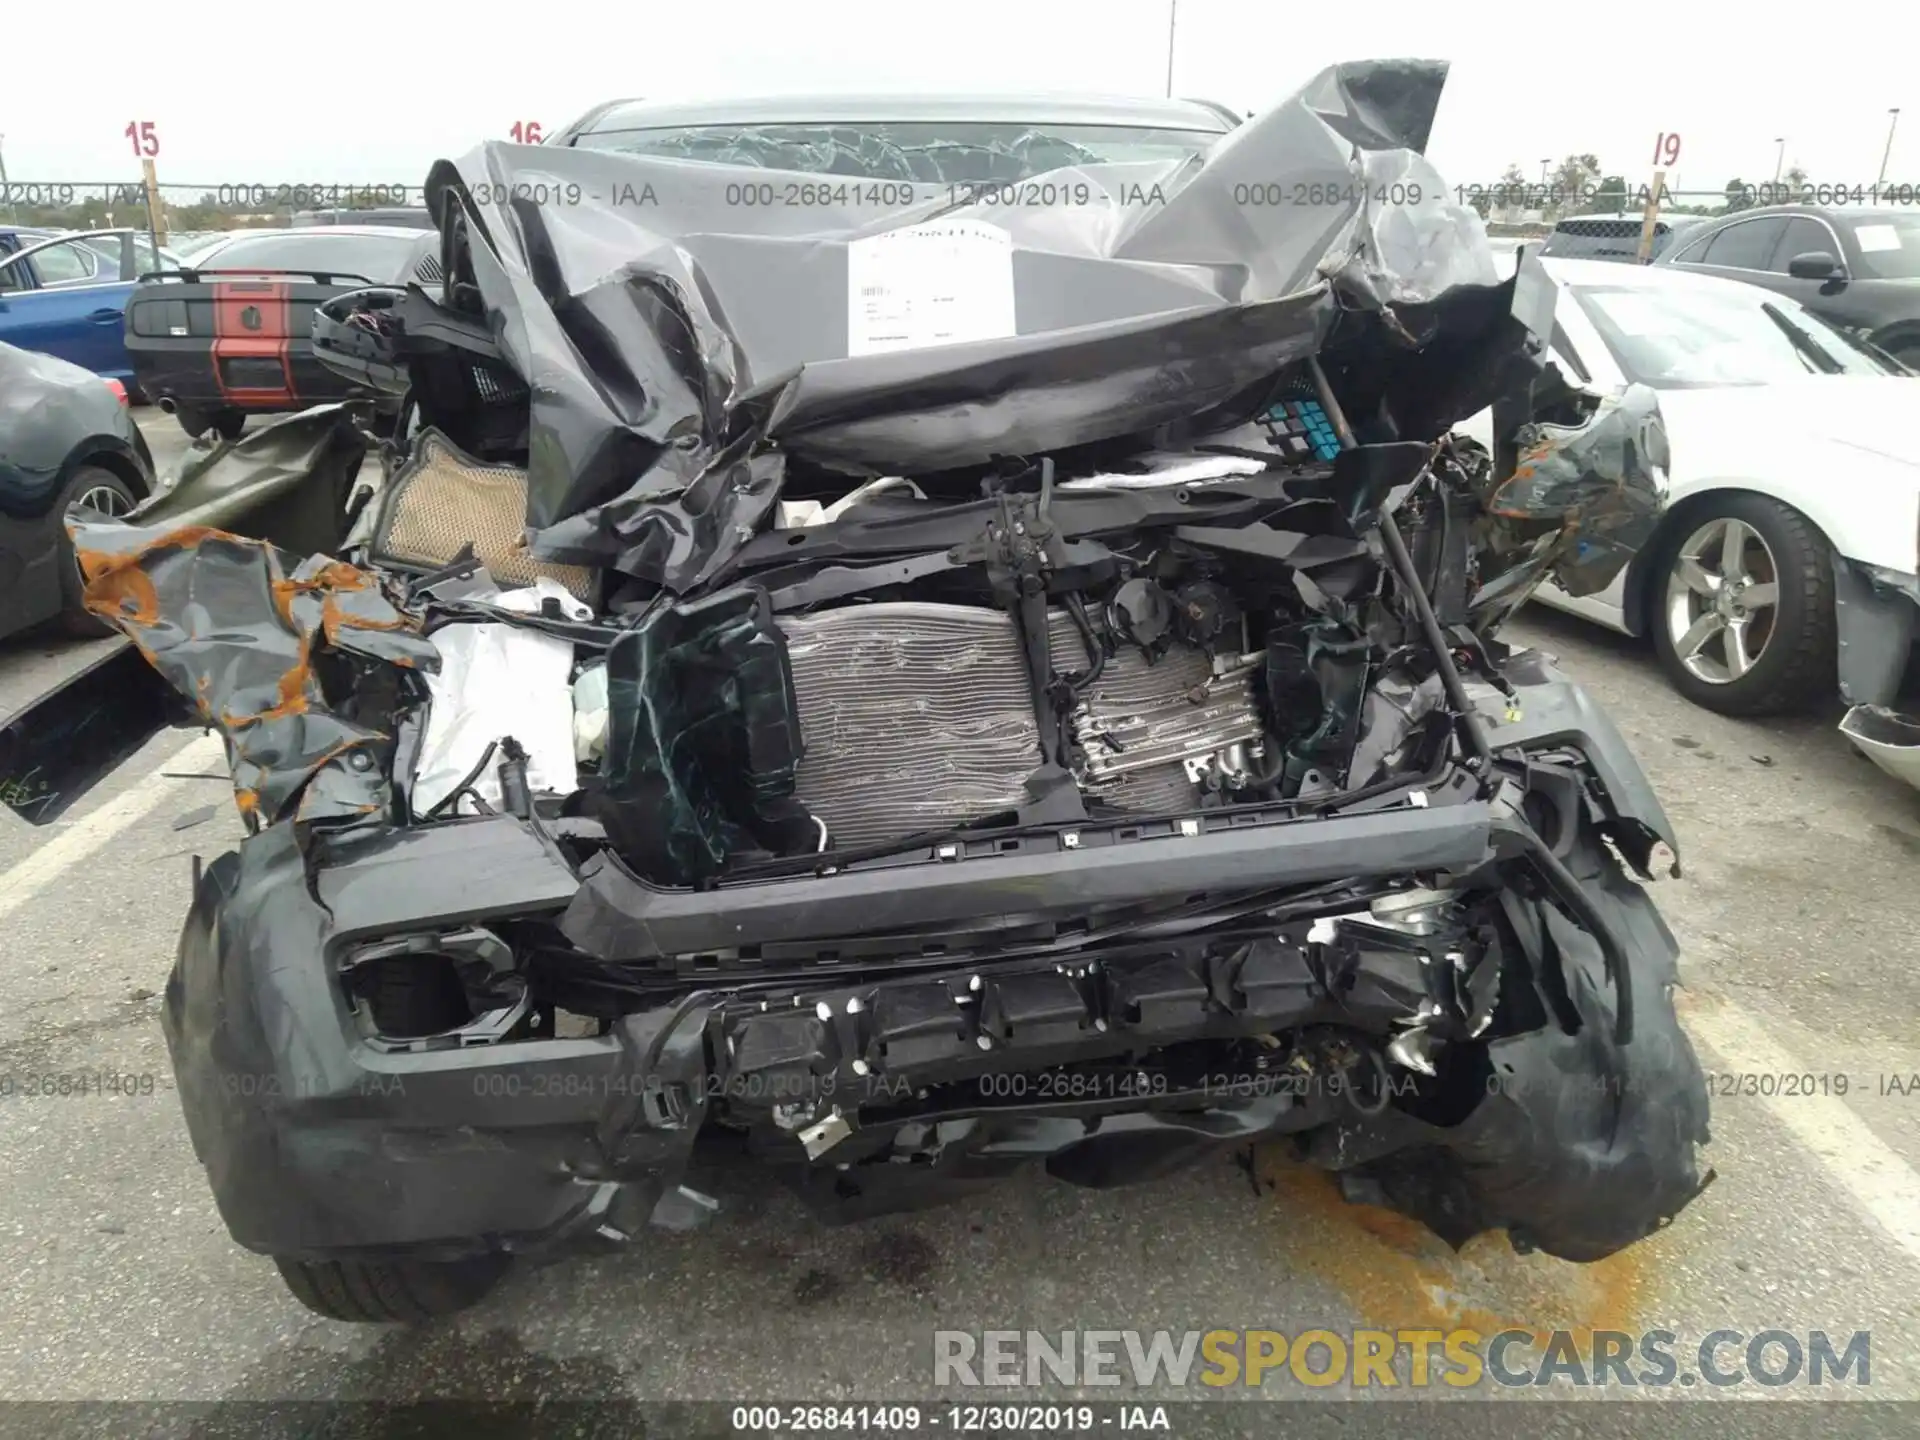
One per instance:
[(320, 1145), (1877, 616)]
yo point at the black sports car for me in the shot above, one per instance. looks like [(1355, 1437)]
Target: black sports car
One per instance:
[(66, 438), (228, 335)]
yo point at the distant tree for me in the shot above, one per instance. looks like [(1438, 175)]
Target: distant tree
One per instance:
[(1789, 188), (1511, 192), (1572, 183), (1610, 197), (1737, 195)]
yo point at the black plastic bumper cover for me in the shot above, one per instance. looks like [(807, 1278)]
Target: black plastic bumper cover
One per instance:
[(319, 1145), (316, 1144)]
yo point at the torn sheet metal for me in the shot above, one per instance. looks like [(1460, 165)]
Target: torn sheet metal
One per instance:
[(1582, 500), (496, 681), (666, 324), (1582, 1145), (248, 644), (286, 482)]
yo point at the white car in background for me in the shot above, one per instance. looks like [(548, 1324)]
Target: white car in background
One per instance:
[(1786, 560)]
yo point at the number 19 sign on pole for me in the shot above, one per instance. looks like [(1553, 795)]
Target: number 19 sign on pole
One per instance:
[(1666, 153)]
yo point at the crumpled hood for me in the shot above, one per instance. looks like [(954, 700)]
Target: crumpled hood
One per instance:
[(667, 330)]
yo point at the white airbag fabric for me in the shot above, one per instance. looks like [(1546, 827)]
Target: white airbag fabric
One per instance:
[(497, 680)]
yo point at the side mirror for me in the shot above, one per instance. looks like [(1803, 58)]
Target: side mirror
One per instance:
[(1814, 265)]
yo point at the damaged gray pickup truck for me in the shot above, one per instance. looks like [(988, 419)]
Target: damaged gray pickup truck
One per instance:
[(905, 687)]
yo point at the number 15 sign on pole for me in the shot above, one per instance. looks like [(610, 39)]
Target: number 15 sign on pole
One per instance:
[(1666, 153)]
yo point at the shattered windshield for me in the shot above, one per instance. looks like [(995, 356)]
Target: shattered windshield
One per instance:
[(1674, 338), (942, 151)]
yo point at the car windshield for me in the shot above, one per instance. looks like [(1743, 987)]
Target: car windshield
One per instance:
[(1674, 337), (940, 151), (1889, 245)]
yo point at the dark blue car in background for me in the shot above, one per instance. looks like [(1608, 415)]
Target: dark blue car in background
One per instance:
[(66, 295)]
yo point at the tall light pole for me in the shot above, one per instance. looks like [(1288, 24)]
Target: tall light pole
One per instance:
[(1894, 113), (1779, 155), (1173, 19), (3, 159), (1543, 170)]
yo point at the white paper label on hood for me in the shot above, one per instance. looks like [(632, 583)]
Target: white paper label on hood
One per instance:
[(940, 283), (1877, 237)]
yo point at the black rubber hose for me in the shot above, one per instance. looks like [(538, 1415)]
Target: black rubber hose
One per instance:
[(1096, 652), (466, 782)]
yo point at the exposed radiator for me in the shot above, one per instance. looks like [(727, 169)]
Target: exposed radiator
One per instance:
[(917, 715), (913, 715)]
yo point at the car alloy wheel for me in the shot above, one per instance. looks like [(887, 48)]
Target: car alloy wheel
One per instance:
[(1723, 594), (108, 500)]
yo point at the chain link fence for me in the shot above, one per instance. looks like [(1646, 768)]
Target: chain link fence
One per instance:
[(189, 210)]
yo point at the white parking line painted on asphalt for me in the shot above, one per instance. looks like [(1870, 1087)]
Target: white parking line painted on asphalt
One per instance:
[(1885, 1186), (94, 832)]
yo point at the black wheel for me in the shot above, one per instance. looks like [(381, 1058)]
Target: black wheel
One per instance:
[(1742, 608), (110, 495), (193, 422), (391, 1292), (228, 424)]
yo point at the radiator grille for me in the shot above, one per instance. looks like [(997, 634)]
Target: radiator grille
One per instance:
[(917, 716), (914, 716)]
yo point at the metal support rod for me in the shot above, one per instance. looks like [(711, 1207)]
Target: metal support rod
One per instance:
[(1173, 19), (1466, 714), (1887, 154)]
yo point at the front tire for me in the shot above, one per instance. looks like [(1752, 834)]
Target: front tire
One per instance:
[(110, 495), (1742, 608), (391, 1292)]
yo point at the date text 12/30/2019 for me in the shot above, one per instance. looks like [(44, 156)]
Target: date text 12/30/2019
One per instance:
[(908, 1419)]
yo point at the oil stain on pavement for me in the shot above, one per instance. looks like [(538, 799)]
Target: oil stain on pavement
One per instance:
[(1398, 1275)]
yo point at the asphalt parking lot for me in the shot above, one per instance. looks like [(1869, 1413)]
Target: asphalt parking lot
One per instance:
[(1798, 915)]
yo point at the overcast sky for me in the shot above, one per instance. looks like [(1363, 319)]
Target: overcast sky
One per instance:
[(346, 92)]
